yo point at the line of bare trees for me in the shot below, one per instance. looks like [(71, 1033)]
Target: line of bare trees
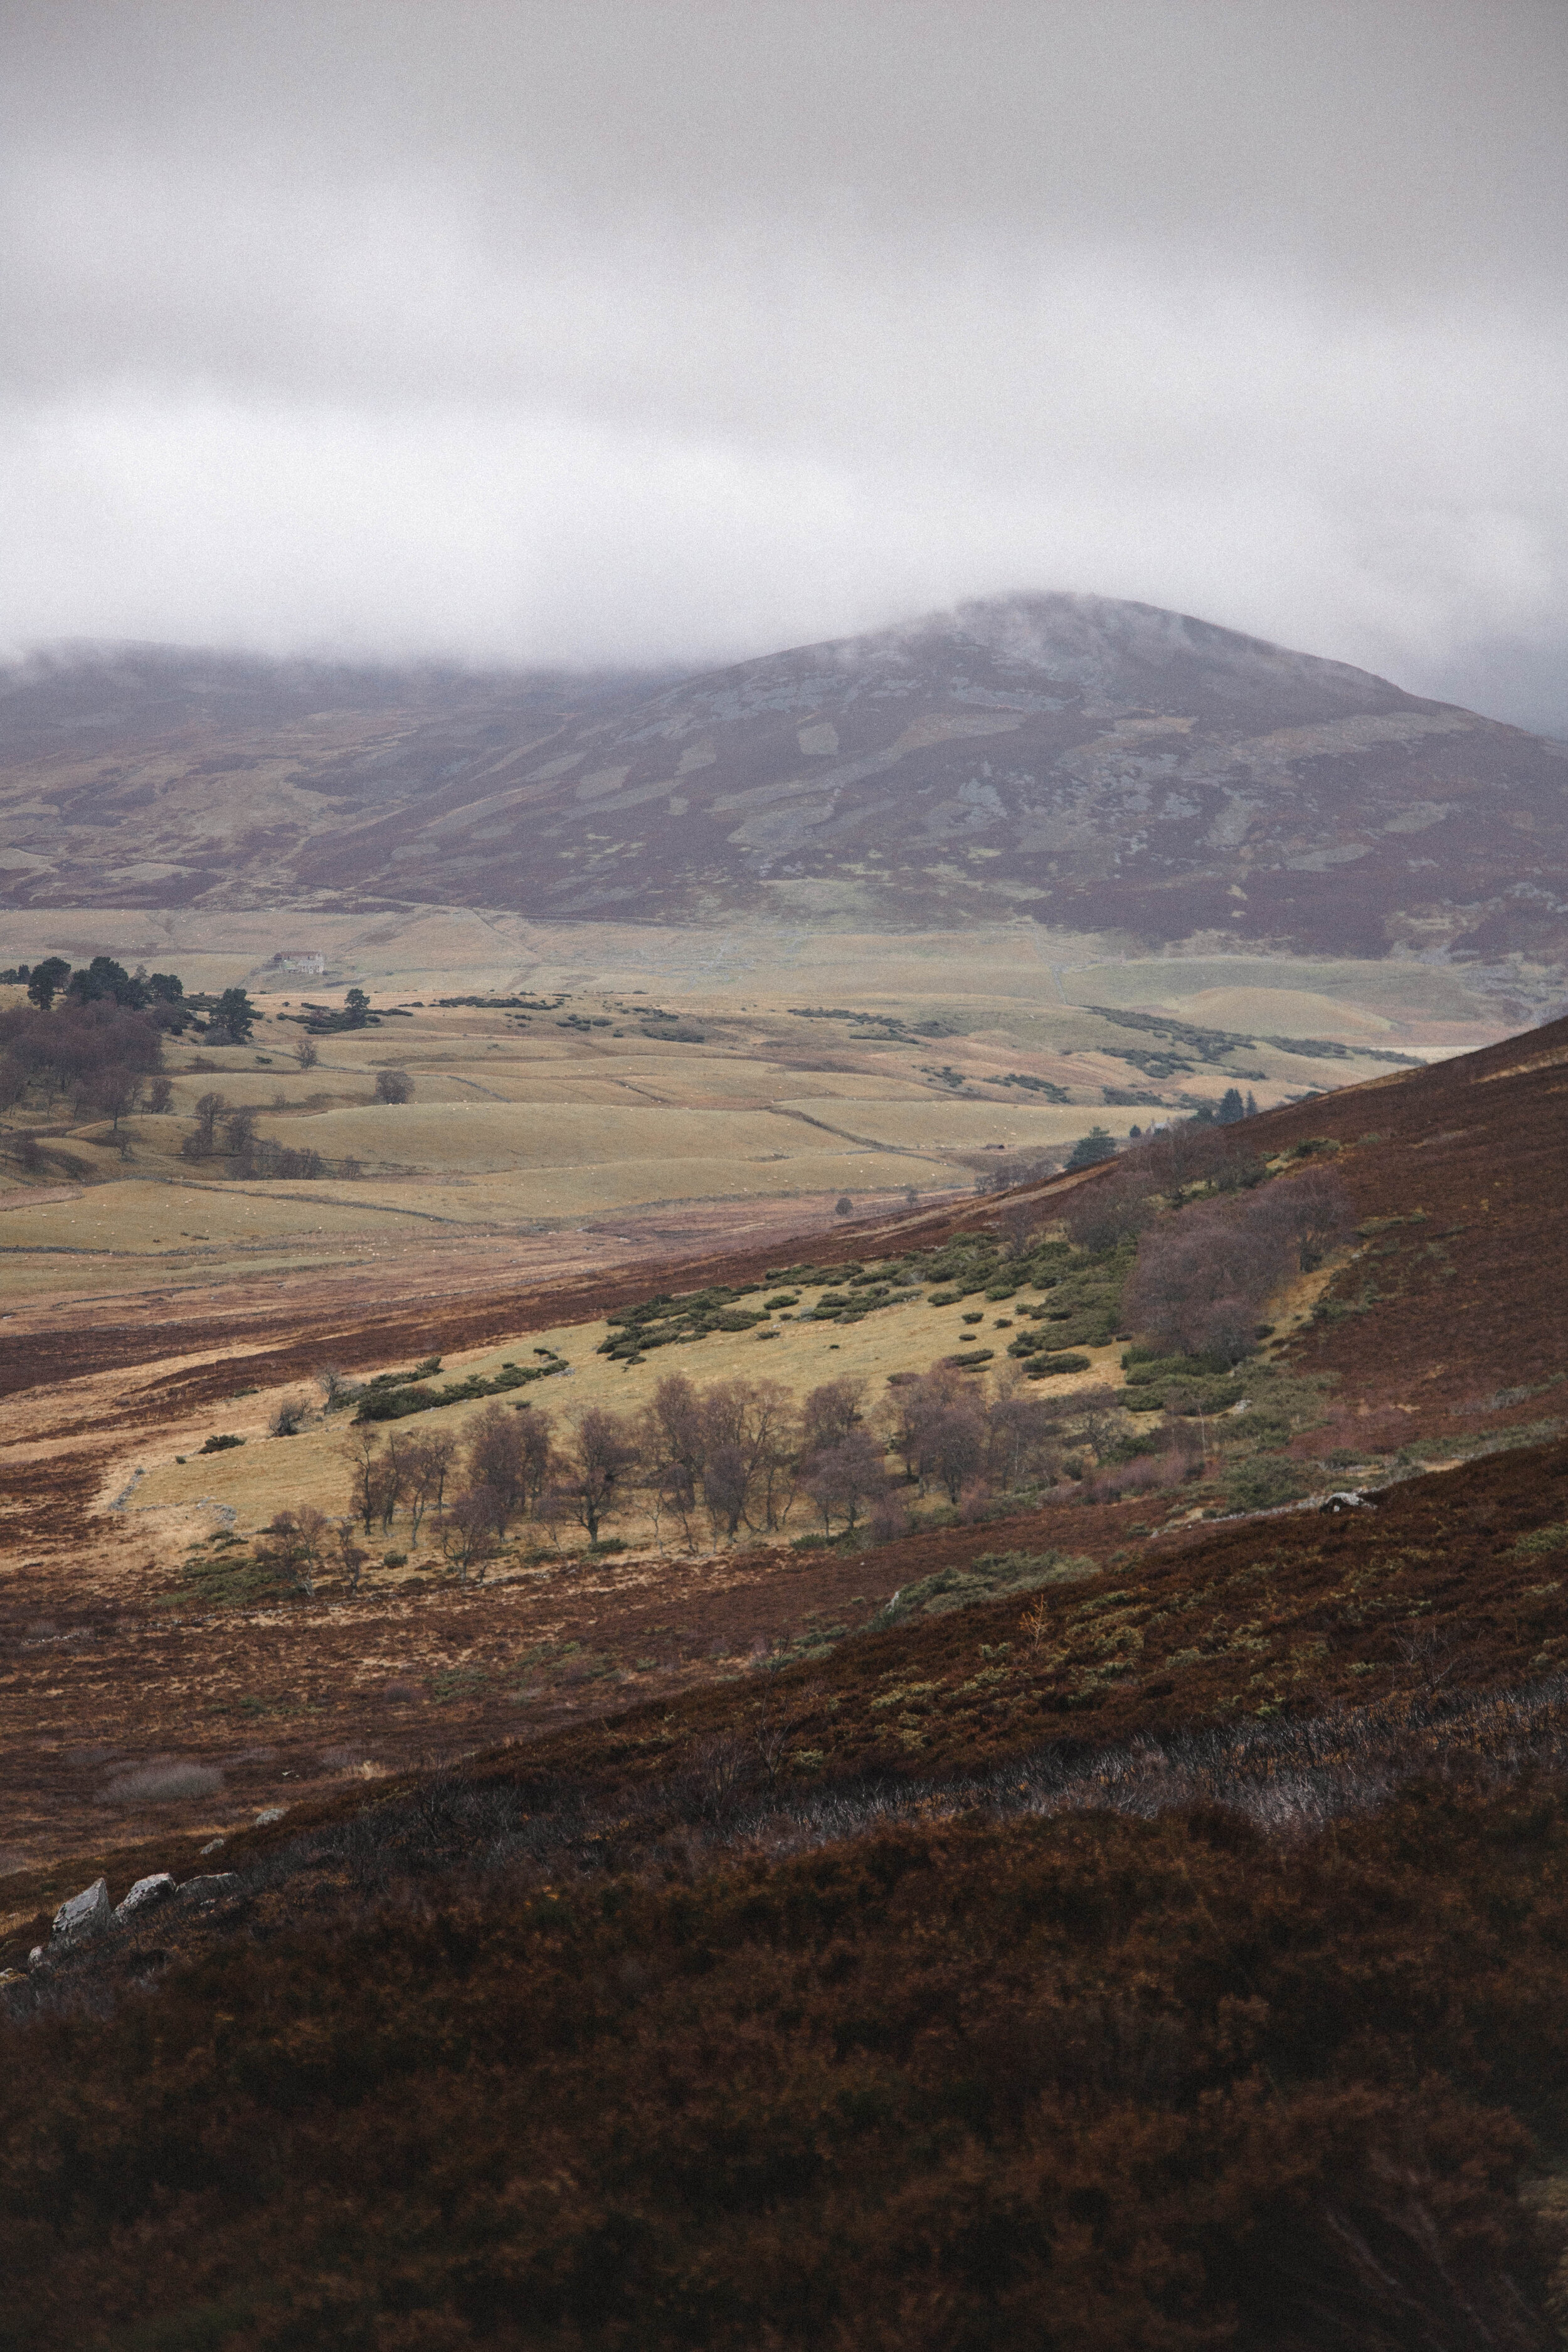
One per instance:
[(705, 1464), (226, 1131)]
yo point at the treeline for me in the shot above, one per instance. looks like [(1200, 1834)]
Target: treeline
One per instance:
[(1217, 1234), (226, 1131), (101, 1057), (94, 1038), (738, 1454), (160, 996)]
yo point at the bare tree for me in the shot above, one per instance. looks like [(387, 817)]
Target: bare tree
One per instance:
[(494, 1457), (595, 1465), (351, 1556), (843, 1478), (1200, 1281), (1100, 1413), (393, 1477), (468, 1530), (336, 1387), (1021, 1434), (830, 1412), (440, 1450), (393, 1086), (115, 1091), (672, 1439), (292, 1548), (726, 1488), (937, 1426), (362, 1452), (306, 1053), (419, 1484), (748, 1433), (1113, 1208), (160, 1094), (952, 1447), (1202, 1278), (1312, 1213), (208, 1107)]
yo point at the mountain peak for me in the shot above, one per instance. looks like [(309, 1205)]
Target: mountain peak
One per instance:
[(1081, 762)]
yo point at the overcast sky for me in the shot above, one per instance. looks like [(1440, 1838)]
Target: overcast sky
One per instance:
[(657, 332)]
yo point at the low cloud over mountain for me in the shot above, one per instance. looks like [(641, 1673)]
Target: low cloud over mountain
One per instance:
[(1094, 765)]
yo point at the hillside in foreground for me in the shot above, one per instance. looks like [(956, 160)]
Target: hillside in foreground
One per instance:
[(1101, 1923)]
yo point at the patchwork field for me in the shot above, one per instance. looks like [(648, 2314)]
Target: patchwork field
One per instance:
[(648, 1071)]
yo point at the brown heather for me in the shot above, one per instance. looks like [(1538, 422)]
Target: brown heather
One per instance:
[(1168, 1953), (1092, 2084)]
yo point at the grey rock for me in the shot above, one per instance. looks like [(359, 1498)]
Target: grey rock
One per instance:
[(269, 1813), (146, 1892), (208, 1888), (36, 1957), (87, 1914)]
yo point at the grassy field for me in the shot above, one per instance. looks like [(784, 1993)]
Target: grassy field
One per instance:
[(267, 1473), (812, 1060)]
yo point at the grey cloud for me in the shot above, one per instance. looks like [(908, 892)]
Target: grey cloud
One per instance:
[(619, 333)]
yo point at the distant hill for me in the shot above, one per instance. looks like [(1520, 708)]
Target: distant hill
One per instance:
[(1099, 766)]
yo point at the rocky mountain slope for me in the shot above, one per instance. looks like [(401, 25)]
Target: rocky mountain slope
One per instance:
[(1101, 766)]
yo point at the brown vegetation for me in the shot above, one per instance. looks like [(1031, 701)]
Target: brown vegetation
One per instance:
[(1072, 1932)]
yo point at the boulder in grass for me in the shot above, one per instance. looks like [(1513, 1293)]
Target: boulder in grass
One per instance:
[(208, 1888), (87, 1914), (144, 1893)]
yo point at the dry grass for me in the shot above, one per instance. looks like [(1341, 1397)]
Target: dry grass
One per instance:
[(269, 1474), (521, 1124)]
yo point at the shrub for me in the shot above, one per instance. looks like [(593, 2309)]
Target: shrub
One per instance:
[(393, 1086), (1263, 1483), (220, 1444), (993, 1574), (1144, 1474)]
